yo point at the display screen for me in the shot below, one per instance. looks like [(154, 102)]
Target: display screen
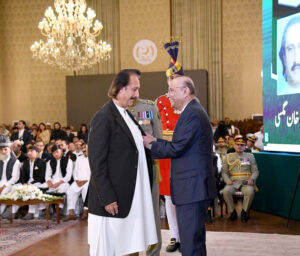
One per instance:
[(281, 75)]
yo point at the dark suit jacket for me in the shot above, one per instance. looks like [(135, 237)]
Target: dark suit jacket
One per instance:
[(192, 176), (113, 159), (70, 137), (26, 136), (39, 171)]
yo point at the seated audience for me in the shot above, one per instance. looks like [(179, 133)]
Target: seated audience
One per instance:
[(221, 148), (16, 149), (43, 133), (57, 132), (70, 135), (250, 143), (214, 125), (4, 131), (232, 130), (232, 148), (58, 172), (63, 144), (83, 133), (80, 185), (22, 135), (41, 153), (33, 172), (260, 138), (221, 131), (239, 172), (9, 172), (78, 145)]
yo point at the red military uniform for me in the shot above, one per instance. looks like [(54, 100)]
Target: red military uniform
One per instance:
[(169, 119)]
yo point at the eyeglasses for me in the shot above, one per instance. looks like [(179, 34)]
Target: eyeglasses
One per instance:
[(173, 89)]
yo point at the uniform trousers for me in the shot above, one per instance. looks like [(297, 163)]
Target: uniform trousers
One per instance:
[(248, 192), (172, 218)]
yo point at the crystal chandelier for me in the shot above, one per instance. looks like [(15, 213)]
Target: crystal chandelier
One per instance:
[(71, 37)]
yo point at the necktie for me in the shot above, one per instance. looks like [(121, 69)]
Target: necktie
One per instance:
[(1, 168)]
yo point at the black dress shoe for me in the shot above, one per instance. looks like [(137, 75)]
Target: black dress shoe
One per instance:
[(244, 217), (209, 217), (172, 246), (233, 216)]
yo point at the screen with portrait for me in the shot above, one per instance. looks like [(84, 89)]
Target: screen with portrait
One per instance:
[(281, 75)]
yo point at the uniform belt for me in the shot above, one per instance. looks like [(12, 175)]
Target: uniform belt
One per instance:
[(240, 174)]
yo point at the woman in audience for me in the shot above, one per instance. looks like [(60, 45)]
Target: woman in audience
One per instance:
[(83, 133), (43, 133)]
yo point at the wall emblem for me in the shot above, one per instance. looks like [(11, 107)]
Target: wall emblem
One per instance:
[(144, 52)]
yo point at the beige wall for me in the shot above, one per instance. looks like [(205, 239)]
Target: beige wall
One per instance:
[(35, 92), (242, 57), (144, 19), (30, 90)]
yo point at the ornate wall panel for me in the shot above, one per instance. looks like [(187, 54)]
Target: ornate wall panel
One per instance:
[(144, 19), (242, 57)]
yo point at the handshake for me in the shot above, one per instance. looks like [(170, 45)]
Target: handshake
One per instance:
[(148, 140)]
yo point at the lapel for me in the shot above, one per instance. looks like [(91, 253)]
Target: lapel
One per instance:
[(192, 102), (119, 119)]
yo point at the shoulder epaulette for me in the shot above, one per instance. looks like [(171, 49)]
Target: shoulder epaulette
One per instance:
[(145, 101)]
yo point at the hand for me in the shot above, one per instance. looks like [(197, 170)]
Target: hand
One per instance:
[(229, 182), (250, 182), (112, 208), (2, 188), (49, 183), (57, 184), (148, 139), (78, 182)]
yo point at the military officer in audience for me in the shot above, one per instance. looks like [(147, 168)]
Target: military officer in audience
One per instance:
[(239, 172), (146, 114), (221, 148), (251, 143), (9, 171)]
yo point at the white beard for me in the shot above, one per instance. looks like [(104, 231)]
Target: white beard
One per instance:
[(3, 157)]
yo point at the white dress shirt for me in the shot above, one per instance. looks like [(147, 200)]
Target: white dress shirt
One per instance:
[(31, 164)]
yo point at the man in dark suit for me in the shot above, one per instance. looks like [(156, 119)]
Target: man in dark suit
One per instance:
[(121, 216), (33, 172), (192, 179), (22, 135)]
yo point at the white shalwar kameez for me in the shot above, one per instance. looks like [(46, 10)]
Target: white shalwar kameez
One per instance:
[(109, 236)]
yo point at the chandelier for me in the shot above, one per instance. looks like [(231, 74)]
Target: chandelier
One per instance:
[(71, 37)]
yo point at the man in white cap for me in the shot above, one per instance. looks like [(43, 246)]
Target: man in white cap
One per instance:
[(9, 171)]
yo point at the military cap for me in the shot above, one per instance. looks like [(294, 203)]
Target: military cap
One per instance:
[(252, 138), (239, 141), (221, 139)]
